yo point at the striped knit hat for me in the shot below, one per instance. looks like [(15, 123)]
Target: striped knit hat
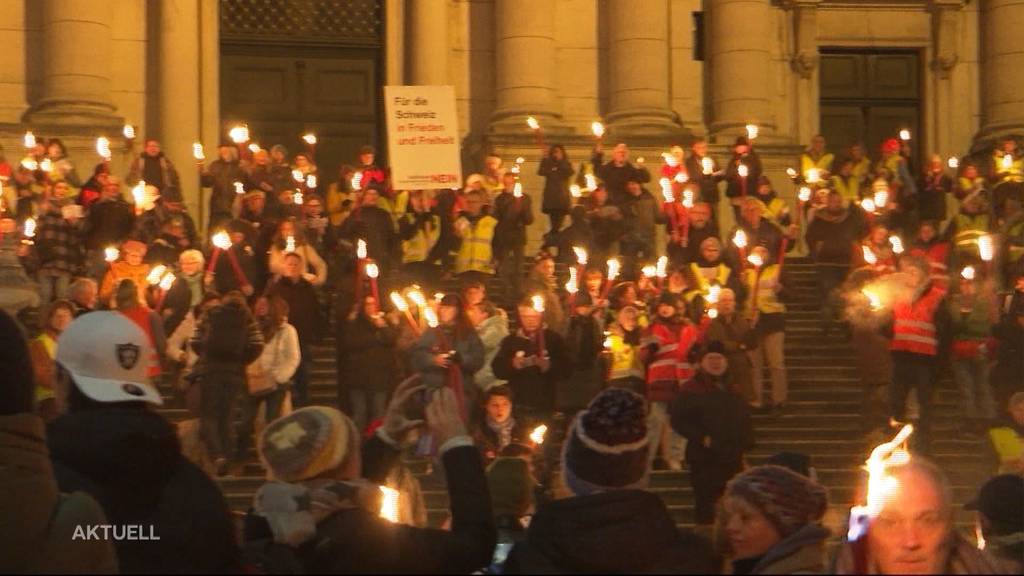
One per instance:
[(306, 443), (788, 500), (607, 445)]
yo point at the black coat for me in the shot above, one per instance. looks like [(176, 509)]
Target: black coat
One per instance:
[(708, 183), (617, 532), (830, 238), (109, 222), (355, 541), (734, 187), (556, 175), (532, 387), (370, 355), (130, 461), (375, 226), (513, 218), (615, 177), (303, 307), (704, 409)]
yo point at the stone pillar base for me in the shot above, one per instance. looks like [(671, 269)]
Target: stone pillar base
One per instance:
[(645, 122), (71, 113), (513, 123)]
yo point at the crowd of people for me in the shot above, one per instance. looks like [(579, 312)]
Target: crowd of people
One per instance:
[(637, 338)]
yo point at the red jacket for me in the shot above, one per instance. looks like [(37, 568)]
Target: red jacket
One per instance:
[(914, 327), (670, 366)]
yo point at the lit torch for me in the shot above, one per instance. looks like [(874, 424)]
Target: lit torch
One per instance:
[(905, 135), (389, 504), (868, 205), (597, 129), (752, 131), (581, 255), (670, 160), (986, 248), (953, 162), (869, 255), (311, 181), (103, 148), (897, 244), (688, 198), (707, 165), (129, 132), (197, 152), (813, 176), (430, 316), (239, 188), (29, 230), (29, 141), (309, 138), (111, 254), (661, 269), (967, 273), (1007, 162), (402, 306), (154, 276), (874, 301), (239, 134), (372, 272), (740, 240), (666, 189), (591, 182), (289, 243), (755, 260), (881, 199), (517, 190), (880, 483), (357, 181), (613, 272), (575, 191), (791, 172), (532, 123), (537, 436)]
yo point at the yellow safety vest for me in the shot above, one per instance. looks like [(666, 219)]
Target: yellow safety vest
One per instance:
[(822, 163), (968, 230), (417, 248), (703, 286), (476, 254), (1016, 171), (777, 208), (396, 207), (50, 345), (861, 169), (1008, 447), (767, 299), (848, 188), (625, 362)]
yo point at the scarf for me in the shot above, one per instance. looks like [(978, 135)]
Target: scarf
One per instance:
[(195, 287), (503, 430), (294, 510)]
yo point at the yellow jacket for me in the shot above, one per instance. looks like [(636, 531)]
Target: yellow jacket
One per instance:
[(767, 299), (475, 253), (848, 188), (1008, 447), (337, 211), (824, 162), (417, 248)]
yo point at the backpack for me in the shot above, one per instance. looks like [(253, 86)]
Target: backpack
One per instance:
[(227, 334)]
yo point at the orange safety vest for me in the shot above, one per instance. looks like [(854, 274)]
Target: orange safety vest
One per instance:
[(914, 324)]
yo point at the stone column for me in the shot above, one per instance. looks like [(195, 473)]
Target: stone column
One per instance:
[(804, 61), (638, 61), (946, 35), (525, 63), (209, 74), (739, 33), (179, 95), (76, 63), (394, 42), (14, 61), (1002, 68), (428, 49)]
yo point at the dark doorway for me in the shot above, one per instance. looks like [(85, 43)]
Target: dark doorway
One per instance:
[(294, 66), (868, 96)]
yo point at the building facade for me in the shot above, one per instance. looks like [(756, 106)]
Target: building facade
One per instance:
[(657, 72)]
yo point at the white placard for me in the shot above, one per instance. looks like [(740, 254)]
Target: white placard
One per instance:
[(423, 137)]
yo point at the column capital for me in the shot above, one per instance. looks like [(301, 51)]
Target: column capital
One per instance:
[(936, 5)]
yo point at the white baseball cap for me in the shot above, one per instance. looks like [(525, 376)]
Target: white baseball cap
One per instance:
[(108, 357)]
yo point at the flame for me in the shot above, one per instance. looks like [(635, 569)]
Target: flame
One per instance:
[(311, 181), (197, 151), (357, 181), (868, 205), (669, 159), (682, 177), (881, 199), (128, 131), (30, 228), (239, 134), (372, 271), (309, 138), (537, 436), (297, 198), (869, 255), (361, 249), (813, 175), (804, 194), (46, 165), (289, 243), (904, 134), (897, 244), (874, 301), (29, 140), (572, 286), (707, 164), (607, 340), (661, 270), (111, 254), (752, 131), (714, 291), (400, 304), (438, 296), (575, 191), (985, 247), (538, 303), (516, 169), (613, 268), (756, 260), (221, 240), (417, 297), (880, 483), (254, 147), (740, 239), (791, 172), (517, 190), (532, 123), (30, 164), (1007, 161), (688, 198), (239, 188), (103, 147), (139, 193), (591, 181), (712, 313), (430, 316), (154, 276), (953, 162), (597, 129), (298, 176), (666, 189), (967, 273), (581, 255), (742, 170), (649, 271), (167, 281), (389, 504)]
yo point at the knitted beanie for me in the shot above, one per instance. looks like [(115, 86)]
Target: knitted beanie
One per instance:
[(511, 486), (788, 500), (607, 445), (306, 443)]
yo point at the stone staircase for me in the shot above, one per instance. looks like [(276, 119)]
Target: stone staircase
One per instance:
[(822, 419)]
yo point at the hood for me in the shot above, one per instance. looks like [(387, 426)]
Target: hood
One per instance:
[(623, 531), (126, 453), (802, 552)]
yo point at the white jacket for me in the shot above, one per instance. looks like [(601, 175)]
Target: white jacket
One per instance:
[(309, 258), (281, 356)]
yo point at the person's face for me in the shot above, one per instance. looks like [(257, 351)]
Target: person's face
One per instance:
[(286, 229), (474, 204), (499, 408), (971, 172), (285, 197), (447, 314), (189, 265), (133, 257), (87, 298), (292, 268), (752, 214), (313, 208), (262, 307), (833, 202), (909, 533), (628, 295), (366, 159), (700, 215), (492, 163), (1009, 145), (818, 144), (710, 252), (529, 318), (633, 188), (111, 188), (741, 149), (60, 190), (879, 235), (60, 320), (620, 153), (256, 204), (846, 169), (301, 161), (277, 156), (594, 282), (1017, 411), (926, 233), (750, 533), (935, 165), (261, 158), (764, 189), (475, 295), (370, 197), (676, 281), (856, 152), (224, 152), (152, 148), (915, 277), (714, 364), (546, 267), (700, 148), (557, 153), (726, 303), (417, 202), (600, 196), (627, 319), (666, 310), (53, 151), (508, 181)]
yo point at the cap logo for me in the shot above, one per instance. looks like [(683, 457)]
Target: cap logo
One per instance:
[(127, 355), (133, 390)]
